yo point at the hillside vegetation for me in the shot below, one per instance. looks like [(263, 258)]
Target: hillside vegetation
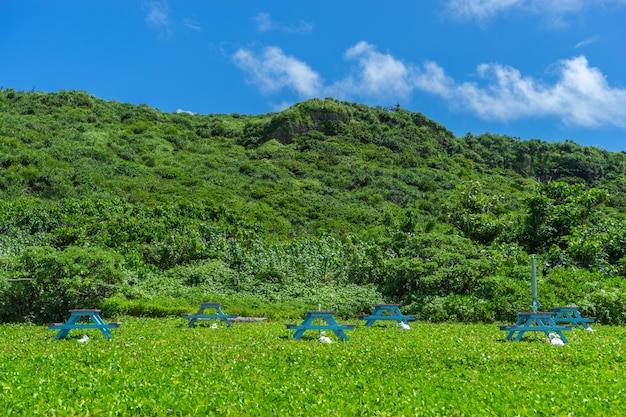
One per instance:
[(137, 211)]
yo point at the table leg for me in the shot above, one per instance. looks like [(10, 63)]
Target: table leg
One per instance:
[(308, 320), (376, 312), (552, 322), (577, 319), (563, 338), (559, 332), (395, 312), (306, 323), (523, 324), (225, 319), (549, 323), (341, 334), (518, 323), (98, 320), (64, 332), (332, 322)]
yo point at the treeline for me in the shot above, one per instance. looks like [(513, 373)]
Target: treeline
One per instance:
[(138, 211)]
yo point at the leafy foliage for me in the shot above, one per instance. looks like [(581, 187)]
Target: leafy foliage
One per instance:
[(327, 202), (160, 367)]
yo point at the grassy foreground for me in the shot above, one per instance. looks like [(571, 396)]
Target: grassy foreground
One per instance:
[(159, 367)]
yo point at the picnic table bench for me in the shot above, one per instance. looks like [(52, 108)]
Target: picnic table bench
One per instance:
[(386, 312), (534, 322), (570, 315), (73, 323), (200, 315), (331, 324)]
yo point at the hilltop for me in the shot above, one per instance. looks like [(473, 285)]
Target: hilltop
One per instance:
[(128, 207)]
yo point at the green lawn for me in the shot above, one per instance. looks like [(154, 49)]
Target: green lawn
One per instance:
[(159, 367)]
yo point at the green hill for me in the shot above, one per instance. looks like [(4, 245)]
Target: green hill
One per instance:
[(124, 207)]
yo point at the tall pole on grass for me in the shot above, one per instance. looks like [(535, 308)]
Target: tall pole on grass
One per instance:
[(319, 320), (533, 280)]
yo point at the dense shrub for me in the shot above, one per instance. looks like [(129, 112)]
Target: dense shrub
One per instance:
[(325, 203), (61, 280)]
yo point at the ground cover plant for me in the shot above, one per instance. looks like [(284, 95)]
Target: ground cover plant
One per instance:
[(159, 367)]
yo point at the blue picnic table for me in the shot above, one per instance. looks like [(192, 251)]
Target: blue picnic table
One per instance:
[(328, 317), (73, 323), (386, 312), (571, 315), (218, 315), (534, 322)]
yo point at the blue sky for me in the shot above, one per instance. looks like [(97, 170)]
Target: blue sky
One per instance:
[(546, 69)]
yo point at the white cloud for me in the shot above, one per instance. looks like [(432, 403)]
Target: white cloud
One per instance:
[(377, 75), (552, 11), (158, 18), (575, 93), (265, 23), (580, 95), (432, 79), (274, 71), (181, 111)]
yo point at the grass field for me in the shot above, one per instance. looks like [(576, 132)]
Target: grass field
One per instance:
[(159, 367)]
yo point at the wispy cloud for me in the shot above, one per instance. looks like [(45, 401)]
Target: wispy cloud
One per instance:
[(553, 12), (587, 41), (281, 106), (158, 18), (192, 24), (265, 23), (274, 71), (479, 9), (574, 92)]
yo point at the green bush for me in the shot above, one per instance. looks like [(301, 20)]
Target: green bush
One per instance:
[(607, 305), (453, 308), (61, 280)]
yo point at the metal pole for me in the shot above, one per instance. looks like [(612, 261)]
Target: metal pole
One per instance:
[(319, 320), (533, 279)]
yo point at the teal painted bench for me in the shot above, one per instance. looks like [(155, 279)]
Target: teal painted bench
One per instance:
[(328, 317), (386, 312), (570, 315), (534, 322), (73, 323), (200, 315)]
